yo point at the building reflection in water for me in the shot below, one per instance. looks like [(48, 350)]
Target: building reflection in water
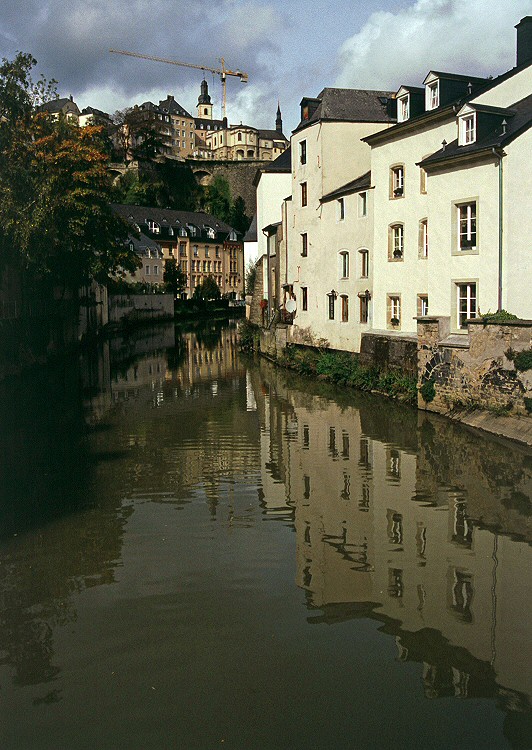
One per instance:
[(423, 527)]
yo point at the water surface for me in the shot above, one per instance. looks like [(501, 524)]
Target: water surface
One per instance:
[(200, 551)]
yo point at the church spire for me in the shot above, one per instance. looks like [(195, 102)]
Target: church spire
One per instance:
[(279, 119)]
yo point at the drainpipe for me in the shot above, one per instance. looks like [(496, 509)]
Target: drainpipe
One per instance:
[(499, 288)]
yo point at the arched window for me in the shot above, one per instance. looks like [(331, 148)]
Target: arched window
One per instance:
[(344, 264), (396, 242)]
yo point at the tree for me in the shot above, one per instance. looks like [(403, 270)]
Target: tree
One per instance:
[(217, 201), (54, 175), (174, 278), (208, 289), (238, 218)]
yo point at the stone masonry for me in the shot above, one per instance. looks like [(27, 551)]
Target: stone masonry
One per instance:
[(476, 370)]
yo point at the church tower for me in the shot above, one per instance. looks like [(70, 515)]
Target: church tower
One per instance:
[(279, 120), (204, 102)]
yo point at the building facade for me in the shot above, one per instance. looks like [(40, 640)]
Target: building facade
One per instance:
[(201, 245)]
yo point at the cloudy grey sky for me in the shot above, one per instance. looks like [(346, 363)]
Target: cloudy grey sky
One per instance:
[(289, 48)]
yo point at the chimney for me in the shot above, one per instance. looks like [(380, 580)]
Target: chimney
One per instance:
[(524, 40), (170, 97), (71, 98)]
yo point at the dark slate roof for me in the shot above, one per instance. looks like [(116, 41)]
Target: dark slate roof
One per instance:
[(93, 111), (167, 218), (454, 77), (272, 135), (57, 105), (251, 234), (201, 121), (352, 105), (412, 89), (172, 107), (449, 109), (518, 119), (361, 183), (143, 243), (283, 163)]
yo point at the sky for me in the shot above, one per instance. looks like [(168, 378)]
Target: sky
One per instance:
[(289, 48)]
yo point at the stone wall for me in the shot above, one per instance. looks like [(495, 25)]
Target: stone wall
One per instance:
[(239, 175), (255, 312), (273, 340), (473, 370), (136, 308), (389, 352)]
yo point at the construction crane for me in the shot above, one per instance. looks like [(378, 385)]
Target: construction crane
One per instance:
[(223, 72)]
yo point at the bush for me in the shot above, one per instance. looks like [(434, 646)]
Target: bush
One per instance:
[(428, 391), (523, 360)]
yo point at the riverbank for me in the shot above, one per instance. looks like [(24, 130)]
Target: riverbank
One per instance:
[(345, 369)]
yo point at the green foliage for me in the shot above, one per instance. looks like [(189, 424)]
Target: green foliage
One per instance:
[(207, 290), (251, 277), (344, 368), (238, 218), (501, 316), (428, 390), (54, 175), (217, 199), (523, 360), (528, 404), (248, 336), (174, 278)]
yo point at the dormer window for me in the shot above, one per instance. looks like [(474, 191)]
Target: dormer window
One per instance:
[(433, 95), (467, 130), (403, 108), (182, 232), (210, 233), (153, 226), (232, 235)]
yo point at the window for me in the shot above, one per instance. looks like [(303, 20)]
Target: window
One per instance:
[(422, 304), (341, 209), (467, 303), (332, 300), (432, 95), (304, 244), (397, 175), (156, 270), (345, 308), (423, 239), (393, 309), (206, 251), (147, 270), (153, 227), (217, 251), (396, 242), (363, 204), (304, 298), (403, 109), (344, 264), (422, 180), (240, 136), (467, 226), (302, 152), (196, 251), (364, 308), (364, 263), (303, 193), (467, 129), (182, 249)]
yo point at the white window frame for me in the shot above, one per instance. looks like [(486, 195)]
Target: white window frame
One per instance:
[(424, 238), (403, 109), (397, 181), (432, 95), (393, 311), (153, 226), (341, 209), (467, 292), (363, 204), (423, 305), (364, 263), (303, 152), (467, 129), (467, 226), (344, 264), (397, 243)]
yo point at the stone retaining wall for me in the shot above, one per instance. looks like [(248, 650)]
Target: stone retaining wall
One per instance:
[(389, 352), (140, 307), (475, 370)]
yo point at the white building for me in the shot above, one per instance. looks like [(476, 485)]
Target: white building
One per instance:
[(452, 199), (328, 219)]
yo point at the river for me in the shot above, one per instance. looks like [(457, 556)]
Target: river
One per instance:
[(199, 550)]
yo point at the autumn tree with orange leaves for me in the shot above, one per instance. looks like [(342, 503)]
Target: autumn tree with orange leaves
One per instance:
[(55, 189)]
